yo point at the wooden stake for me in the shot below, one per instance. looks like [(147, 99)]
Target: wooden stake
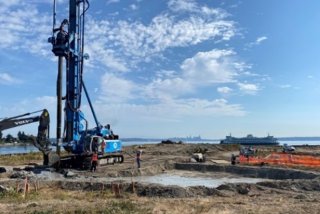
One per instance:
[(26, 187)]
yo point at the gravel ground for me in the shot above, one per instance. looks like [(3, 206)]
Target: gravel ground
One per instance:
[(117, 188)]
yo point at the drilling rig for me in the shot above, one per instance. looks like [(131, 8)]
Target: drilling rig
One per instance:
[(81, 142)]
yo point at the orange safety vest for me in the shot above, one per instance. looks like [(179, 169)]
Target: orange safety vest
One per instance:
[(95, 157)]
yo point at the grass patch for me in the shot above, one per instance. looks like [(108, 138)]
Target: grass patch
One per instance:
[(115, 207), (13, 196), (55, 200), (21, 159), (124, 207), (10, 196)]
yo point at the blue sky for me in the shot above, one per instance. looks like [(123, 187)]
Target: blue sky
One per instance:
[(174, 68)]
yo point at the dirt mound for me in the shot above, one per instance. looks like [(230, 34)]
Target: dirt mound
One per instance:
[(155, 190), (300, 185), (249, 171)]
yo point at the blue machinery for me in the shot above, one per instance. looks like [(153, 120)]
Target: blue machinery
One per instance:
[(68, 43)]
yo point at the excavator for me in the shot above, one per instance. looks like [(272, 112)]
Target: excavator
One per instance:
[(42, 141)]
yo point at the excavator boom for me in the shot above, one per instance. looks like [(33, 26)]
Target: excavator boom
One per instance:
[(8, 123), (42, 141)]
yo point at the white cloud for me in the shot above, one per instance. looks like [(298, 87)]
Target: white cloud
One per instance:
[(112, 1), (224, 90), (171, 95), (214, 66), (45, 101), (201, 70), (167, 89), (193, 7), (115, 89), (166, 74), (118, 45), (136, 42), (243, 67), (133, 7), (248, 88), (173, 110), (7, 79), (260, 39), (182, 5), (286, 86), (24, 27), (7, 4)]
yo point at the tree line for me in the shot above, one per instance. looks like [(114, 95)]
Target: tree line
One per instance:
[(20, 138)]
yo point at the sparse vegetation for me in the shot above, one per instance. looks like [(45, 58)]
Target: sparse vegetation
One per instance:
[(21, 159), (53, 197), (74, 201)]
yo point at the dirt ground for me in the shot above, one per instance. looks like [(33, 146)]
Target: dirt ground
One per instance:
[(77, 191)]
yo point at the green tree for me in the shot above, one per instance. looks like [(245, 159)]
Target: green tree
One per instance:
[(9, 138), (22, 137), (19, 135), (1, 141)]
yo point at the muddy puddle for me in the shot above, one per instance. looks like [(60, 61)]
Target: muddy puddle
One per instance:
[(193, 181), (179, 178), (188, 179)]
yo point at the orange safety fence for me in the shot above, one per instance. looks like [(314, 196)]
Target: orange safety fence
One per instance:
[(282, 159)]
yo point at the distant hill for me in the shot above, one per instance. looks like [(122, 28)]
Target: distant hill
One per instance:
[(141, 139)]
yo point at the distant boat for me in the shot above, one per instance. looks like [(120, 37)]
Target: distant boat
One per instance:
[(250, 140)]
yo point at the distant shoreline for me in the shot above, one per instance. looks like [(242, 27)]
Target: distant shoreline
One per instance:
[(197, 140), (14, 144), (299, 138)]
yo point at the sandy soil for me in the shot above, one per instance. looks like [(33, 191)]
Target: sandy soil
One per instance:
[(62, 194)]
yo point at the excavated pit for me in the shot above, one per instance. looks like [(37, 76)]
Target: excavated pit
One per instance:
[(211, 180), (250, 171)]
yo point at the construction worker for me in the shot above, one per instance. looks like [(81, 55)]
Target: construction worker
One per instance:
[(138, 157), (94, 162), (109, 131), (233, 159), (103, 146), (95, 145)]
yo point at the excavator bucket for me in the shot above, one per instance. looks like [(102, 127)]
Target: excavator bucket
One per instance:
[(51, 159)]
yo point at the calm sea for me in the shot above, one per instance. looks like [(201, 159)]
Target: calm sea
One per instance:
[(13, 149)]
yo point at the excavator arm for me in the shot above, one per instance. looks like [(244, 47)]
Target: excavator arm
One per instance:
[(11, 123), (42, 141)]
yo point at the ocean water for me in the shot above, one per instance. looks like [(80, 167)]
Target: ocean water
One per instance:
[(14, 149), (293, 142)]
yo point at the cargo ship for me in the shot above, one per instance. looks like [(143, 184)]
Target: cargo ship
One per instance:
[(250, 140)]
